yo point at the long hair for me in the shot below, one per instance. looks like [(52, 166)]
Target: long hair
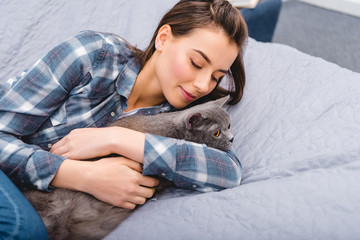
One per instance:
[(187, 15)]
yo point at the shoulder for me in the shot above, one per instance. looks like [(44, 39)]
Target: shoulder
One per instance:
[(111, 41)]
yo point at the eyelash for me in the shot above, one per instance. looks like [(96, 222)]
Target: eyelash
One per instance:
[(216, 80), (195, 65), (198, 67)]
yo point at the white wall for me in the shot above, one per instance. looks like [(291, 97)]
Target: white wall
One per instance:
[(351, 7)]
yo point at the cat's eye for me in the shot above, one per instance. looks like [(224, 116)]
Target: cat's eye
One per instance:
[(229, 126), (217, 133)]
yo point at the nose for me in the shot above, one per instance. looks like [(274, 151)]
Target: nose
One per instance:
[(202, 83), (232, 139)]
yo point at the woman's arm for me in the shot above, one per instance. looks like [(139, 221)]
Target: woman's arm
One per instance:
[(117, 180), (191, 165), (101, 142), (28, 101), (187, 164), (27, 164)]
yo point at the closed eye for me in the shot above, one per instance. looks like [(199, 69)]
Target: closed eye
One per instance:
[(214, 78), (195, 65), (199, 68), (217, 79)]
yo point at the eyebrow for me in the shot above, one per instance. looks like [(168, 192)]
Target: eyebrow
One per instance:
[(207, 59)]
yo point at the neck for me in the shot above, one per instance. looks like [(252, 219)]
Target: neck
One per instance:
[(146, 91)]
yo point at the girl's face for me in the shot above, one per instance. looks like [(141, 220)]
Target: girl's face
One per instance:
[(189, 67)]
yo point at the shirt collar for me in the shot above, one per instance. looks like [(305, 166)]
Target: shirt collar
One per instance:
[(126, 79), (164, 107)]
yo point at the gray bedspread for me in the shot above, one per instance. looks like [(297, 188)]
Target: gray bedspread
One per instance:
[(297, 131)]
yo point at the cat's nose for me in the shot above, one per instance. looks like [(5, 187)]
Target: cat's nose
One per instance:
[(232, 139)]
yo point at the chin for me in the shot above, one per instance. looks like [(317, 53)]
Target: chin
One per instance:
[(178, 104)]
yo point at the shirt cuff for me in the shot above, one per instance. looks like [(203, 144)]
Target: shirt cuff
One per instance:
[(160, 156), (42, 167), (190, 165)]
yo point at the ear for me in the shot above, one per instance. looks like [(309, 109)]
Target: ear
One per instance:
[(194, 121), (163, 35), (222, 101)]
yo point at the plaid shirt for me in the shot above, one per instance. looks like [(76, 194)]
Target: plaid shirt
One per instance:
[(85, 82)]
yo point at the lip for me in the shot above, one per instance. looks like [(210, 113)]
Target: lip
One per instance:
[(188, 96)]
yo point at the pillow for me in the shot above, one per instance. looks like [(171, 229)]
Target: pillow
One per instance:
[(298, 113)]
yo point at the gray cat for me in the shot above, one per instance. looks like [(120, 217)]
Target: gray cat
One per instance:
[(76, 215)]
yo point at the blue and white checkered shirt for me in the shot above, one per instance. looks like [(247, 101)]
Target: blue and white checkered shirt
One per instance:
[(85, 82)]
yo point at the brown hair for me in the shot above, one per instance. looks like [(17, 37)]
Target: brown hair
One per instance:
[(187, 15)]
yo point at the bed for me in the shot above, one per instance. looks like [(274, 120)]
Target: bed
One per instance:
[(297, 131)]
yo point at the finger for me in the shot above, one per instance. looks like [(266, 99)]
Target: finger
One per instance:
[(149, 181), (139, 200), (59, 150), (146, 192), (127, 205), (58, 145), (130, 163), (66, 155)]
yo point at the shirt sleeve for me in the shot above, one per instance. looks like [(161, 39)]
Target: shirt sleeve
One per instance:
[(27, 101), (191, 165)]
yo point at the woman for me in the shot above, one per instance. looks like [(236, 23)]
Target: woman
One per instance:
[(94, 78)]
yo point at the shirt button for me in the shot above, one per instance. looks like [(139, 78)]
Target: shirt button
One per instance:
[(194, 186), (49, 145), (163, 174), (112, 114)]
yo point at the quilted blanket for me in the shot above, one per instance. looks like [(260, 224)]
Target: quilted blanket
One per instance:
[(297, 131), (297, 134)]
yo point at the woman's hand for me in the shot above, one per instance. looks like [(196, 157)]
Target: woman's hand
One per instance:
[(117, 181), (84, 143), (87, 143), (120, 183)]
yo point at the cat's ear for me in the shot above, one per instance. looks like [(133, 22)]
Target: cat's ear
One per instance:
[(194, 121), (222, 101)]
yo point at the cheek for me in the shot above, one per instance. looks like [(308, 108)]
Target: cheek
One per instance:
[(179, 66)]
